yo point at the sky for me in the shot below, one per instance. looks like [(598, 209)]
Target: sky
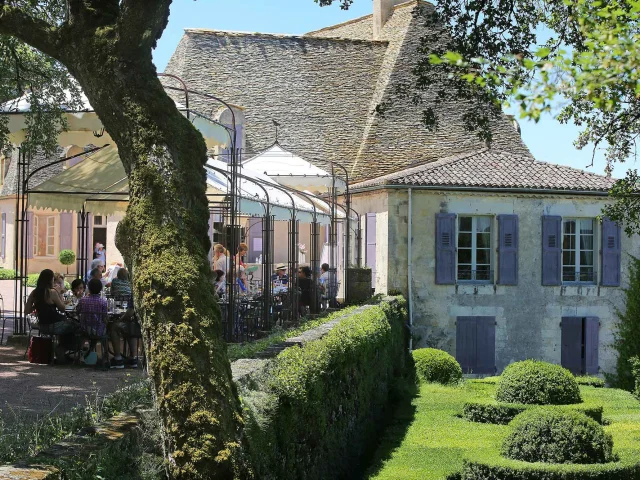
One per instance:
[(548, 140)]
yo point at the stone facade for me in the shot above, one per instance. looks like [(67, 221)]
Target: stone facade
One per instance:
[(528, 315)]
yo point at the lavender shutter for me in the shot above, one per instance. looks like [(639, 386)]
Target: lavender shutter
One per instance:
[(485, 345), (29, 240), (466, 343), (4, 235), (551, 250), (508, 250), (571, 339), (66, 231), (370, 241), (255, 238), (611, 253), (445, 248), (591, 344)]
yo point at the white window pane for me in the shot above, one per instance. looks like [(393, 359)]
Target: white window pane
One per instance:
[(483, 240), (464, 240), (586, 259), (464, 272), (586, 225), (483, 224), (483, 257), (570, 226), (586, 242), (465, 224), (464, 255)]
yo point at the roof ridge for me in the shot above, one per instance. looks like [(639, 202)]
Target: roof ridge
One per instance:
[(360, 19), (233, 33)]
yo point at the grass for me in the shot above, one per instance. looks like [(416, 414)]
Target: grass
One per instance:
[(24, 436), (236, 351), (429, 440)]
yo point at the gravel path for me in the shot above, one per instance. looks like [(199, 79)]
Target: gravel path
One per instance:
[(28, 388)]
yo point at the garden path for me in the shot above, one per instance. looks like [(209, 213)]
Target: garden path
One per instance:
[(32, 389)]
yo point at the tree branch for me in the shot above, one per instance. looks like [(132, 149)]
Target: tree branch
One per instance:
[(143, 21), (39, 34)]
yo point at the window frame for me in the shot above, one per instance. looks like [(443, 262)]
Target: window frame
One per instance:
[(474, 249), (50, 235), (577, 251)]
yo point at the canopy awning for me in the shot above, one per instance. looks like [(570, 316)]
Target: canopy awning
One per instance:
[(83, 121), (290, 170)]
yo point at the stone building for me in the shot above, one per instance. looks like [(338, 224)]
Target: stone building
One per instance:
[(502, 257)]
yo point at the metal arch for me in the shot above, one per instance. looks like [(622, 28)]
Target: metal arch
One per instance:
[(184, 88)]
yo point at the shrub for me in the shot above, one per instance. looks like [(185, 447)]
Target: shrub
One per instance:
[(434, 365), (590, 381), (66, 257), (538, 383), (627, 331), (635, 368), (505, 469), (7, 274), (503, 413), (554, 435), (32, 279), (316, 409)]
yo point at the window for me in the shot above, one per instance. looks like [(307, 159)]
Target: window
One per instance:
[(97, 220), (474, 249), (44, 238), (578, 247)]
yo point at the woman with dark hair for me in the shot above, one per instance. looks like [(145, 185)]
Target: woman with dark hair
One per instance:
[(46, 302), (304, 284)]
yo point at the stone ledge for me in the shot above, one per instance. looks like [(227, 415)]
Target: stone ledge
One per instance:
[(87, 440)]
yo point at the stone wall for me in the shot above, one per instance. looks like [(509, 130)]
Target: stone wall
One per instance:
[(528, 315)]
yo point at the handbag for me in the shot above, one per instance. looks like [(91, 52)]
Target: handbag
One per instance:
[(40, 350)]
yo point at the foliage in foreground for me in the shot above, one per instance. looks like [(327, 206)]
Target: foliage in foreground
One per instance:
[(627, 332), (635, 365), (433, 365), (316, 409), (554, 435), (24, 436), (590, 381), (539, 383), (490, 411), (429, 440)]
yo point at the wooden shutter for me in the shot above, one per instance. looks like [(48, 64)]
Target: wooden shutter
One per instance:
[(551, 250), (4, 235), (591, 345), (370, 241), (571, 339), (485, 345), (611, 253), (466, 343), (29, 240), (508, 250), (445, 248), (66, 231)]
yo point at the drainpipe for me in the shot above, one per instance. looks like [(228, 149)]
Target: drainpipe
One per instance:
[(409, 272)]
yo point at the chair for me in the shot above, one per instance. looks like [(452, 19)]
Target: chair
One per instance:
[(94, 329)]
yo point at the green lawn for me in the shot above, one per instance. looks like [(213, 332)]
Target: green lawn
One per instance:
[(428, 440)]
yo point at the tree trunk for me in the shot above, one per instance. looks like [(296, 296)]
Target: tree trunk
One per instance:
[(164, 239)]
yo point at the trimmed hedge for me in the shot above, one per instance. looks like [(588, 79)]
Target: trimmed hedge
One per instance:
[(505, 469), (533, 382), (433, 365), (502, 413), (554, 435), (315, 410), (590, 381), (7, 274), (635, 368)]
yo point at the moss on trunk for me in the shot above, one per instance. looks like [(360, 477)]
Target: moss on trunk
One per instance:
[(165, 242)]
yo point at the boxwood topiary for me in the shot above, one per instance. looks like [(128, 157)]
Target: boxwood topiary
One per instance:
[(538, 383), (433, 365), (503, 413), (556, 435), (590, 381)]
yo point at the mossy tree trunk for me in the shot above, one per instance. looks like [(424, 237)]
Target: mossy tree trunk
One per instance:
[(107, 47)]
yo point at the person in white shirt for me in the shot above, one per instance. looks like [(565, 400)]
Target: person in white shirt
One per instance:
[(324, 277), (220, 258)]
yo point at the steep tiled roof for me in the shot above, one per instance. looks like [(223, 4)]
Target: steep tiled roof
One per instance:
[(491, 169), (323, 89)]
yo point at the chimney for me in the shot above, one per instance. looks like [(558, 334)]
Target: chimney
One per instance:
[(382, 11)]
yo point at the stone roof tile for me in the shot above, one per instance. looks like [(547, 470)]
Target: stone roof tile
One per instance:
[(494, 169)]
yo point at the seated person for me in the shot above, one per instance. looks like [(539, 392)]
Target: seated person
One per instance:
[(127, 328), (46, 302), (58, 283), (304, 283), (121, 286), (281, 274), (97, 274), (77, 288), (241, 279), (95, 264), (220, 284), (324, 277), (93, 311)]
